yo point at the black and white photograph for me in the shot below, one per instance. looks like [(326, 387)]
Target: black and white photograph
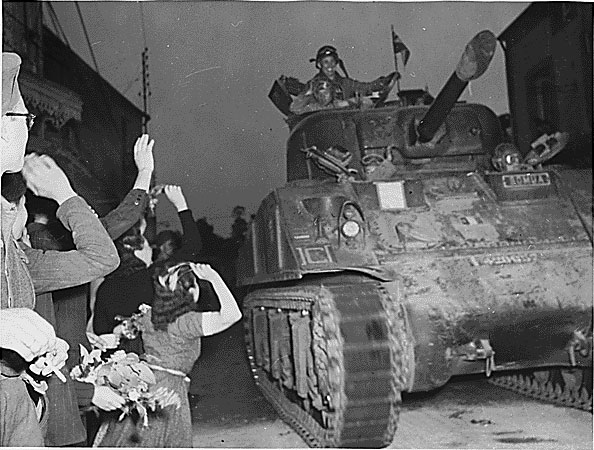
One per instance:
[(293, 224)]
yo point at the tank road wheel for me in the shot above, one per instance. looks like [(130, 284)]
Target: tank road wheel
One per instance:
[(330, 359)]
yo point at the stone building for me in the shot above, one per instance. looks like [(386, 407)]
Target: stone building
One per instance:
[(548, 57), (85, 124)]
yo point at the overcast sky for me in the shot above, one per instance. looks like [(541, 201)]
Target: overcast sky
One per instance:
[(212, 64)]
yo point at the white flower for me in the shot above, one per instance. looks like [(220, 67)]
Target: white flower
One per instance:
[(91, 377), (133, 395), (120, 355), (89, 358), (76, 372)]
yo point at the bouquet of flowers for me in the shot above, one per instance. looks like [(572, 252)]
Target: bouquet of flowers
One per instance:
[(130, 327), (127, 375), (153, 200)]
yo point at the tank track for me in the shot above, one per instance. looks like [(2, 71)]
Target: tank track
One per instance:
[(549, 386), (353, 341)]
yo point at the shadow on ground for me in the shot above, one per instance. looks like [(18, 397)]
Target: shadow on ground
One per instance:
[(222, 389)]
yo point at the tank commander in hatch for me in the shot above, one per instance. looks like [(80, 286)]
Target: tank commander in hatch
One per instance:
[(345, 88), (321, 95)]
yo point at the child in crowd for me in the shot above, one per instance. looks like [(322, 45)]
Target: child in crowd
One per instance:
[(171, 332)]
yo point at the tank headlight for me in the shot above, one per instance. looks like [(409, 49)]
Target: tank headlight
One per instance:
[(351, 228), (349, 212)]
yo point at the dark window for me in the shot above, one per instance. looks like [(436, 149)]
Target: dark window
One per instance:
[(68, 137), (51, 132)]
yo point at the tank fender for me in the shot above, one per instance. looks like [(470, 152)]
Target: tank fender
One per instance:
[(381, 273), (267, 254)]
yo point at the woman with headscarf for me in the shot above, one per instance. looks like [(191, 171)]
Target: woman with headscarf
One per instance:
[(171, 332), (130, 285)]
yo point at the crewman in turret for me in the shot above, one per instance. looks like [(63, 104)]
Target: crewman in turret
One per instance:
[(321, 95), (327, 61)]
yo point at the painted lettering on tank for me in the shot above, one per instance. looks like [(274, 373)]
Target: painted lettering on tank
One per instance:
[(525, 180), (314, 255), (496, 260)]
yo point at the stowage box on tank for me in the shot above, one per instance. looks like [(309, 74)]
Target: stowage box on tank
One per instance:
[(396, 257)]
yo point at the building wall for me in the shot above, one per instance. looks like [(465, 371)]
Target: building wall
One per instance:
[(22, 32), (85, 124), (110, 123), (549, 67)]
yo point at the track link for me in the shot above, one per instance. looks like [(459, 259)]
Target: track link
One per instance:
[(356, 352), (548, 386)]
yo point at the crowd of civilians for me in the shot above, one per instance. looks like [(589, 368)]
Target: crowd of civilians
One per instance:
[(63, 279)]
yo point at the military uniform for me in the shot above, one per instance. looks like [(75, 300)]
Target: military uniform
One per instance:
[(345, 88)]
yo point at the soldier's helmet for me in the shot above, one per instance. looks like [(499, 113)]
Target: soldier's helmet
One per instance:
[(326, 50)]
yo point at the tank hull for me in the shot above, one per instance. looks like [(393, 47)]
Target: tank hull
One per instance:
[(332, 353), (461, 279), (395, 258), (524, 306)]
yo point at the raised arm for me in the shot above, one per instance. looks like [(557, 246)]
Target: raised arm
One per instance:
[(366, 88), (95, 254), (215, 322), (198, 324), (131, 209), (191, 240)]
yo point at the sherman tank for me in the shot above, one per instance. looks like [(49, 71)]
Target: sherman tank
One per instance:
[(397, 256)]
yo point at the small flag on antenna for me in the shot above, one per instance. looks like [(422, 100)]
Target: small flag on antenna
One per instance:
[(399, 47)]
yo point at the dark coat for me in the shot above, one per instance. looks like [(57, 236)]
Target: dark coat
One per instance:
[(66, 309), (131, 285), (345, 88), (121, 295)]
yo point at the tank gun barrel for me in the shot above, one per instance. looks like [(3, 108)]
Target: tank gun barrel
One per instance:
[(474, 62)]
